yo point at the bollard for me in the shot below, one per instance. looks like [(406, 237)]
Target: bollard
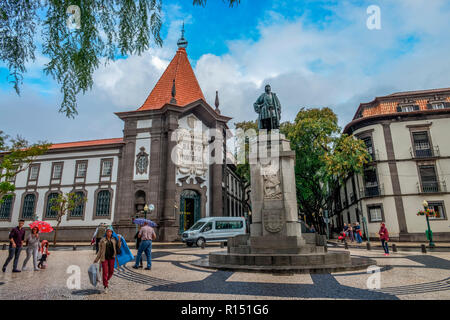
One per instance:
[(325, 248), (222, 245), (346, 245), (203, 244), (368, 246), (394, 247), (74, 247), (424, 248), (4, 247)]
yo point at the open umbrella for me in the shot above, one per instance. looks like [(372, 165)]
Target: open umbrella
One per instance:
[(44, 227), (141, 221)]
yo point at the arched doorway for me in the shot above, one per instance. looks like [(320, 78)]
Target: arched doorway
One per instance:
[(190, 209)]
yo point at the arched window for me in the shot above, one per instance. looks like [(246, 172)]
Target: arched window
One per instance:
[(103, 203), (28, 206), (78, 211), (49, 213), (5, 208)]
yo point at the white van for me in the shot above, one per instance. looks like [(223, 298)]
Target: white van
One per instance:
[(214, 229)]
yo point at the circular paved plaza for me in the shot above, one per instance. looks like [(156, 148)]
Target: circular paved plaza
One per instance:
[(403, 275)]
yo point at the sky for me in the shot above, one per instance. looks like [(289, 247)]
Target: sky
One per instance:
[(312, 53)]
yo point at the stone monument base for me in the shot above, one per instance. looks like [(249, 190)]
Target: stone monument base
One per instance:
[(308, 258)]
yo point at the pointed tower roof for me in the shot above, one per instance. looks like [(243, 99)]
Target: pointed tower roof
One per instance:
[(177, 84)]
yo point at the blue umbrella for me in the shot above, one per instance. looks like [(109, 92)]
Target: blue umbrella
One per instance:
[(141, 221)]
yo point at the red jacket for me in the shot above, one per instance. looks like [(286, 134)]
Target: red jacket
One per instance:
[(384, 234)]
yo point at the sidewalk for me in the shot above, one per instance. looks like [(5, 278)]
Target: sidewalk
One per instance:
[(376, 244), (132, 245)]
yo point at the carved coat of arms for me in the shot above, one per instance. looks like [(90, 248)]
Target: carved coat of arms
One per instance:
[(273, 220)]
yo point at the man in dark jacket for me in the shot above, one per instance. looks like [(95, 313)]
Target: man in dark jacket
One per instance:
[(16, 238)]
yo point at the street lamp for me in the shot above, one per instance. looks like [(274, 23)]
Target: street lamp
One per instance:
[(429, 232), (145, 210)]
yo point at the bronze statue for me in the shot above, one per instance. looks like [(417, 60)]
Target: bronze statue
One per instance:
[(269, 109)]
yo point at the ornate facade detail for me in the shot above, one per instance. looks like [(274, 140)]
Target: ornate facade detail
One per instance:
[(274, 220), (142, 162), (272, 184)]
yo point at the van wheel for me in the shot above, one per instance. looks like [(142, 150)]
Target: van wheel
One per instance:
[(189, 244), (200, 242)]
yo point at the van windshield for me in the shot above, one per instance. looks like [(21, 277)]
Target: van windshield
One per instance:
[(197, 226)]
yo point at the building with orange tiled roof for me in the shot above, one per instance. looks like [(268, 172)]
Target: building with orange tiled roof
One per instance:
[(406, 135), (162, 162)]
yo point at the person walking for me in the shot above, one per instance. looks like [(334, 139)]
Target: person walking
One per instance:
[(147, 234), (350, 232), (106, 255), (384, 237), (16, 238), (357, 229), (99, 234), (44, 251), (33, 246), (138, 243)]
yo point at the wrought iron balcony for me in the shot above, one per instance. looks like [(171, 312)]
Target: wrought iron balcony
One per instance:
[(372, 191), (432, 187), (424, 150)]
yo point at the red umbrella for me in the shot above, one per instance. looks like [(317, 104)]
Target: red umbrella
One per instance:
[(44, 227)]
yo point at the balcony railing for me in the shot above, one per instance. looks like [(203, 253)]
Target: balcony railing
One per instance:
[(424, 150), (372, 191), (432, 187)]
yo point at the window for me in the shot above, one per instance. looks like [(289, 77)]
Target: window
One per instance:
[(428, 178), (438, 207), (49, 213), (5, 207), (28, 206), (369, 146), (410, 108), (208, 227), (436, 106), (34, 172), (81, 169), (106, 167), (78, 211), (222, 225), (375, 214), (371, 182), (422, 144), (103, 203), (57, 170)]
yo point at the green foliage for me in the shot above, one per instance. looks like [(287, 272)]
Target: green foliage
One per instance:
[(16, 154), (324, 157), (107, 29)]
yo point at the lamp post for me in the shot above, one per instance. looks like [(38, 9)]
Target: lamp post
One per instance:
[(429, 232), (366, 231), (145, 210)]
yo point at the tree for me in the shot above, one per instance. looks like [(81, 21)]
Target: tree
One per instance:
[(62, 205), (324, 157), (76, 36), (16, 155)]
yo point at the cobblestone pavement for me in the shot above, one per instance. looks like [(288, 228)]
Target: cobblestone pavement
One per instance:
[(404, 275)]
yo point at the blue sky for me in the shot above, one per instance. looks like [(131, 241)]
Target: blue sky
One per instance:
[(313, 53)]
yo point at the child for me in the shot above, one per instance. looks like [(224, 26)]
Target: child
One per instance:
[(45, 253)]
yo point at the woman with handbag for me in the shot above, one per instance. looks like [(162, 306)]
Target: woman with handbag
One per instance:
[(107, 255)]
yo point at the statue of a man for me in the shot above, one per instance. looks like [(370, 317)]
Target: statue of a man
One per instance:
[(269, 109)]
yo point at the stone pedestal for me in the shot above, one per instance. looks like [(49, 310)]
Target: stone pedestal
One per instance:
[(275, 242)]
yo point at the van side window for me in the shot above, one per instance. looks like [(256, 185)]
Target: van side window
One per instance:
[(221, 225), (208, 227)]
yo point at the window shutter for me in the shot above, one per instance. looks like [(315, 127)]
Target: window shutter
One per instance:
[(399, 109)]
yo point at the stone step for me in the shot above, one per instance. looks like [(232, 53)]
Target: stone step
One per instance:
[(309, 259)]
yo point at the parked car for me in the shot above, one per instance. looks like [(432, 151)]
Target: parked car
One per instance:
[(214, 229)]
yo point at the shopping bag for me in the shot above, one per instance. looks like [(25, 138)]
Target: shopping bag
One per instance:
[(93, 274)]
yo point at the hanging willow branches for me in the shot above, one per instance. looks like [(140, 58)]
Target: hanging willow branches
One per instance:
[(76, 35)]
